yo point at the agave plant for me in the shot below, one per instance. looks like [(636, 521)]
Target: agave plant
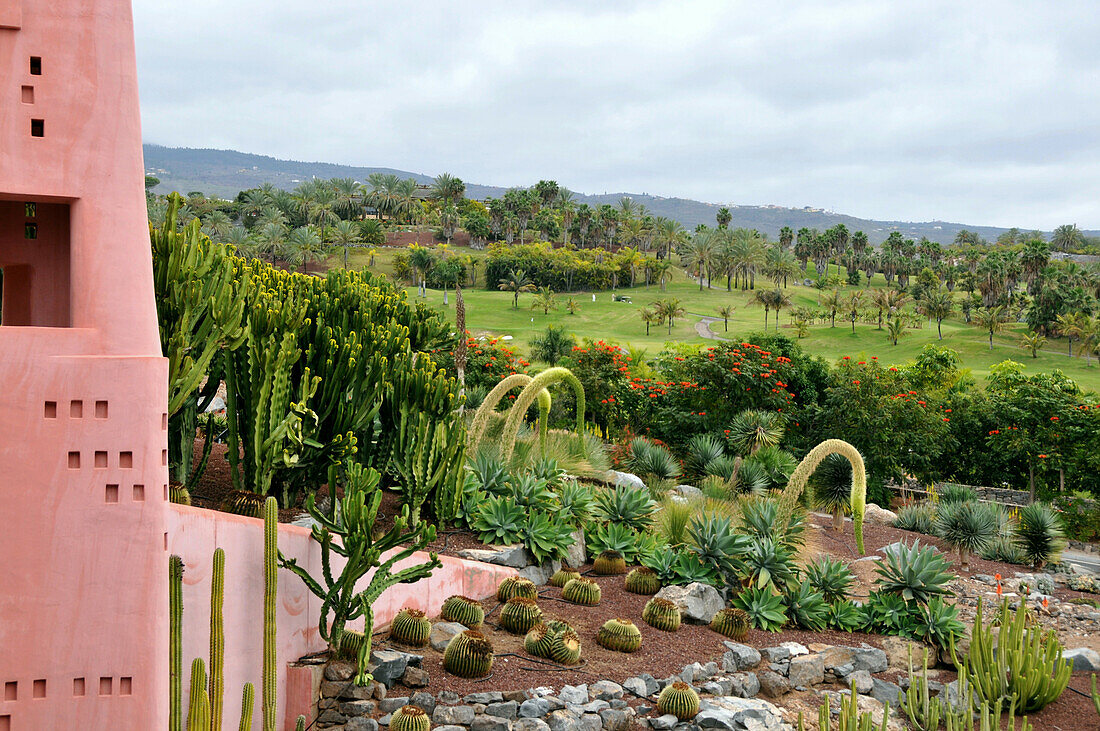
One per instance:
[(717, 545), (617, 537), (546, 537), (832, 487), (937, 624), (1039, 534), (764, 608), (918, 518), (530, 492), (574, 503), (844, 616), (625, 505), (968, 526), (885, 613), (760, 518), (490, 472), (703, 449), (768, 563), (915, 573), (806, 608), (678, 567), (499, 520), (547, 470), (831, 577)]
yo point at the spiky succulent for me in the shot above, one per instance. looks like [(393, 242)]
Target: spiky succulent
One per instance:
[(642, 580), (679, 699), (619, 635), (885, 613), (662, 614), (768, 563), (574, 503), (349, 643), (830, 577), (626, 506), (844, 616), (469, 655), (914, 572), (563, 576), (731, 622), (918, 518), (937, 624), (582, 591), (968, 526), (410, 718), (765, 609), (464, 610), (953, 493), (1039, 534), (411, 627), (553, 640), (538, 639), (519, 615), (609, 563), (806, 608), (760, 517), (516, 586), (566, 647)]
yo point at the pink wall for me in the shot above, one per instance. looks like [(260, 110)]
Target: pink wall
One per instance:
[(194, 533)]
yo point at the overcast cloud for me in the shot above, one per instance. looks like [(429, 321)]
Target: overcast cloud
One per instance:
[(985, 113)]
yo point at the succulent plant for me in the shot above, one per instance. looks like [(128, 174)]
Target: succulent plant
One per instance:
[(642, 580), (1039, 534), (538, 640), (731, 622), (410, 718), (917, 518), (553, 640), (619, 635), (830, 577), (464, 610), (806, 608), (609, 563), (566, 647), (765, 609), (582, 591), (662, 614), (519, 615), (469, 655), (349, 643), (679, 699), (516, 586), (914, 572), (411, 627), (563, 576), (968, 526)]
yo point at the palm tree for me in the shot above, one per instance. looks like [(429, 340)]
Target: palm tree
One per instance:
[(723, 217), (895, 329), (832, 302), (216, 225), (272, 239), (887, 301), (515, 282), (669, 233), (306, 246), (1034, 342), (1070, 325), (1090, 338), (763, 298), (448, 188), (345, 235), (650, 317), (992, 319), (421, 260), (725, 312), (852, 305), (669, 310), (572, 306), (662, 269), (938, 306), (1067, 237), (545, 300), (699, 255)]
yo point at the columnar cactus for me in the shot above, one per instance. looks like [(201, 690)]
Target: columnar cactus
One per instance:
[(468, 655), (411, 627), (679, 699), (175, 642), (519, 615), (427, 454), (563, 576), (731, 622), (198, 709), (643, 580), (217, 639), (585, 592), (248, 700), (464, 610), (620, 635), (269, 679), (516, 586), (609, 563), (662, 614)]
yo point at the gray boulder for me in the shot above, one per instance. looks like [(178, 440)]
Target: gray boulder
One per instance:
[(1084, 660), (539, 575), (575, 556), (737, 714), (744, 685), (534, 708), (886, 692), (618, 479), (806, 670), (514, 556), (874, 515), (739, 657), (528, 724), (453, 715), (507, 709), (605, 690), (387, 666), (576, 694), (772, 684), (642, 685), (862, 679), (698, 602), (490, 723), (663, 723)]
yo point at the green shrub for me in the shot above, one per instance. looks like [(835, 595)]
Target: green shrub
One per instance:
[(1005, 550), (831, 485), (915, 573), (764, 608), (751, 479), (968, 526), (626, 506), (1039, 534), (806, 608), (778, 464), (918, 518), (673, 520), (885, 613), (679, 567), (952, 493), (723, 467), (831, 577)]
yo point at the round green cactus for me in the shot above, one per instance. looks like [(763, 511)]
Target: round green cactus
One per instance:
[(464, 610), (566, 647), (609, 563), (662, 614), (469, 655), (519, 615), (732, 622), (582, 591), (349, 644), (563, 576), (411, 627), (679, 699), (643, 580), (553, 640), (410, 718), (620, 635), (538, 641), (516, 586)]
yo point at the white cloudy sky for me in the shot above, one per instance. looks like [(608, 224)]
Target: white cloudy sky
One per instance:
[(980, 112)]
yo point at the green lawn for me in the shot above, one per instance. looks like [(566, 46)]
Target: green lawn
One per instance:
[(491, 312)]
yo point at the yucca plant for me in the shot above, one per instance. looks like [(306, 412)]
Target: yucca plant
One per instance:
[(755, 428), (968, 526), (642, 580), (831, 577), (915, 573), (620, 635), (652, 460), (723, 469), (831, 484), (778, 464), (765, 609), (464, 610), (732, 622), (806, 608), (952, 493), (760, 517), (768, 563), (680, 700), (1039, 534), (625, 505), (662, 614), (844, 616), (702, 449), (918, 518), (750, 478)]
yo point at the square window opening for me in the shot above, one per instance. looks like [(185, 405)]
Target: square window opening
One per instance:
[(11, 690), (35, 263), (112, 494), (38, 128), (50, 411), (38, 689), (78, 687)]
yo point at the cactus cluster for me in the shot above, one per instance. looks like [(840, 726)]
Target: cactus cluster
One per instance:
[(609, 563), (411, 627), (553, 640), (642, 580), (464, 610), (516, 586), (619, 635), (519, 615), (679, 699), (585, 592), (731, 622), (468, 655), (410, 718), (563, 576), (662, 614)]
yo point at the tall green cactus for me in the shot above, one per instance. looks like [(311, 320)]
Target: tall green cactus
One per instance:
[(248, 700), (271, 590), (217, 640), (789, 499), (175, 642), (353, 524), (429, 454), (529, 394), (198, 708)]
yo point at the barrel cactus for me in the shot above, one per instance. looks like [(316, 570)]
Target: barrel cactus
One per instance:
[(662, 614), (469, 655), (643, 580), (620, 635), (411, 627), (519, 615), (349, 643), (679, 699), (731, 622), (582, 591), (554, 640), (609, 563), (563, 576), (516, 586), (538, 641), (410, 718), (464, 610)]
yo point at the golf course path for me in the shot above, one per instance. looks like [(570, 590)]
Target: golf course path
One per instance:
[(703, 328)]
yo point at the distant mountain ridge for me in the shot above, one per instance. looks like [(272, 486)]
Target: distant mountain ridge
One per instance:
[(226, 172)]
